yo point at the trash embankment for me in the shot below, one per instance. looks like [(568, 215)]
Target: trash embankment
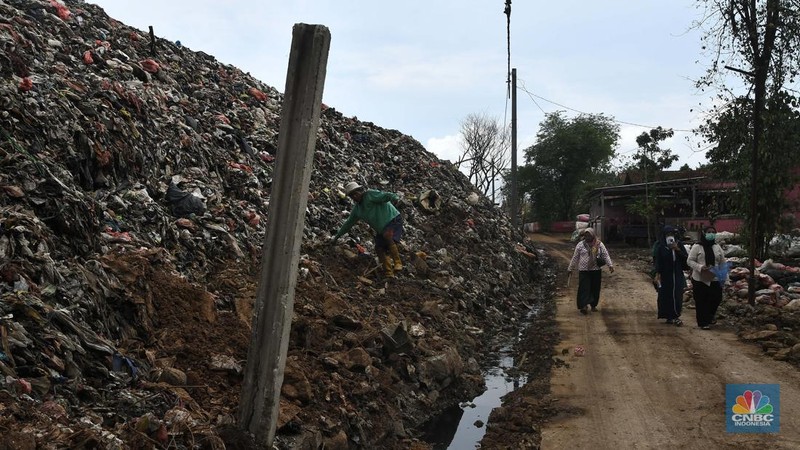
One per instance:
[(134, 193)]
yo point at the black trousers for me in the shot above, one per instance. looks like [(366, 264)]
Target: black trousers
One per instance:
[(589, 288), (706, 301)]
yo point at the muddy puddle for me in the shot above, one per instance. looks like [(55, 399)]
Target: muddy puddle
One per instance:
[(462, 426)]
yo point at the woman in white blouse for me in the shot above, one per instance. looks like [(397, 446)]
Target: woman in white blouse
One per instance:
[(587, 252), (707, 289)]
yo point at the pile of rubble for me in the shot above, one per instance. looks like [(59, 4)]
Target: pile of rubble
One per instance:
[(774, 321), (778, 283), (134, 192)]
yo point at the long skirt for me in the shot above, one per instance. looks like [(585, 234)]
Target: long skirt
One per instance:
[(706, 299), (670, 301), (589, 288)]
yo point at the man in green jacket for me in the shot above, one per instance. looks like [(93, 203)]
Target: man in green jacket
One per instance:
[(376, 208)]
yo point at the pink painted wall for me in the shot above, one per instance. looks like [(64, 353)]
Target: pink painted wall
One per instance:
[(562, 227), (793, 198), (732, 225)]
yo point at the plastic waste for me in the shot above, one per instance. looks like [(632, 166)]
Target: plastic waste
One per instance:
[(721, 271), (184, 203)]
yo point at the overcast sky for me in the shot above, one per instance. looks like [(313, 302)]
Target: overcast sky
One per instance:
[(421, 66)]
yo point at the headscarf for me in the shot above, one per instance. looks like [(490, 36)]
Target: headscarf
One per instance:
[(594, 245), (667, 230), (708, 247)]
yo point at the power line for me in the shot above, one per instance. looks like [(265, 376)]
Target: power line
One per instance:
[(532, 95), (505, 115), (533, 100)]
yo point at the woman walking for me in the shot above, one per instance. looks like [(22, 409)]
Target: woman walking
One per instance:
[(587, 253), (706, 287), (669, 259)]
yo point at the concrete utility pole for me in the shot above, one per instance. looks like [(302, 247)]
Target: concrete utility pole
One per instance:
[(266, 358), (512, 87), (514, 207)]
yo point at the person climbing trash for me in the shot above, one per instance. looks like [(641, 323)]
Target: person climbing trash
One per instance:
[(376, 208)]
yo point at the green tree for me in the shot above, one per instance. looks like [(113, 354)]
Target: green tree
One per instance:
[(731, 131), (758, 40), (566, 161), (651, 160), (650, 157)]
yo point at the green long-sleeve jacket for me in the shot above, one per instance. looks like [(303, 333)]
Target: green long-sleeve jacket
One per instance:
[(375, 208)]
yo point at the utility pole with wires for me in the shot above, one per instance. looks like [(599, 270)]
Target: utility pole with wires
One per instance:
[(514, 206), (507, 12), (512, 90)]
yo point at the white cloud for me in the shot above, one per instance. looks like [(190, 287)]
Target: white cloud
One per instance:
[(447, 147), (409, 68)]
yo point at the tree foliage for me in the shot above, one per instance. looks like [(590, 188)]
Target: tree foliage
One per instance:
[(568, 159), (759, 40), (754, 38), (650, 159), (485, 144), (731, 131)]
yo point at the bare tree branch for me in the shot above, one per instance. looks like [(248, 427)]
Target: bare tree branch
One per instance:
[(485, 146)]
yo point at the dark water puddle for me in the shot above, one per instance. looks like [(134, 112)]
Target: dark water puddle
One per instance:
[(462, 427)]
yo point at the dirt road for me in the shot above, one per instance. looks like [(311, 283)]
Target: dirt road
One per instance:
[(643, 384)]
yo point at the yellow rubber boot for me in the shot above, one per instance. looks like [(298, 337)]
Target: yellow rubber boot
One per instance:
[(398, 264), (386, 261), (387, 267)]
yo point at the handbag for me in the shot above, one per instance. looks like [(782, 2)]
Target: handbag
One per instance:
[(600, 261)]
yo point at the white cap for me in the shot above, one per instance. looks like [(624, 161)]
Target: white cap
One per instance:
[(350, 187)]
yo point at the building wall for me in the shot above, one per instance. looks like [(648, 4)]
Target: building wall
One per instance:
[(616, 216), (733, 225)]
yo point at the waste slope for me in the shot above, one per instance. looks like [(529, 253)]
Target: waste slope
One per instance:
[(135, 185)]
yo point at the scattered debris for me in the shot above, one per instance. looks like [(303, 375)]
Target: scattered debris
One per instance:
[(133, 200)]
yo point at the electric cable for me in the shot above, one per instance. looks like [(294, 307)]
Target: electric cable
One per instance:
[(532, 95)]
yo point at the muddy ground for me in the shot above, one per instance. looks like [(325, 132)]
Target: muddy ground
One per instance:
[(640, 381), (644, 384), (340, 390)]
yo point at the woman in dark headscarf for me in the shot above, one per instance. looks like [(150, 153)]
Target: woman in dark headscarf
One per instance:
[(669, 258), (707, 289)]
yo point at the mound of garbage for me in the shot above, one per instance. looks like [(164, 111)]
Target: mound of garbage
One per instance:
[(134, 193)]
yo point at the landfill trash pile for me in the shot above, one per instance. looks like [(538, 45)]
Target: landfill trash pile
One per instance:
[(773, 322), (778, 283), (786, 245), (134, 193)]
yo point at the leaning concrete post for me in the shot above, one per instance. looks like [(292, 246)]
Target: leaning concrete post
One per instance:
[(266, 358)]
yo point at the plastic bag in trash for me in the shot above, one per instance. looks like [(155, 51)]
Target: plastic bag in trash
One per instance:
[(184, 203)]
